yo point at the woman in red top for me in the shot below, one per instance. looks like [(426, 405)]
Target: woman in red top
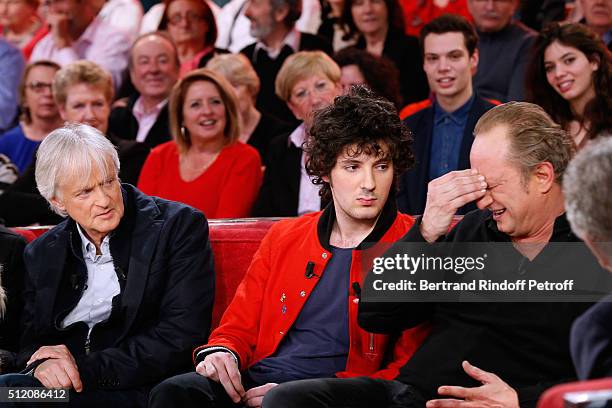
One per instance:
[(205, 165), (20, 24)]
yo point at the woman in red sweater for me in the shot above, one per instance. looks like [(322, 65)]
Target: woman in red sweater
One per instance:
[(205, 165)]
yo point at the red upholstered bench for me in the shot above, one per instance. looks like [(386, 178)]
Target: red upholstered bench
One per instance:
[(234, 242)]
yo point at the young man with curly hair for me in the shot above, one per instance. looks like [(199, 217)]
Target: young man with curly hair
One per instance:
[(294, 316)]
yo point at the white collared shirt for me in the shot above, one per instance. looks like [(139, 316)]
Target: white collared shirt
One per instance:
[(102, 285), (309, 199), (146, 120), (292, 39)]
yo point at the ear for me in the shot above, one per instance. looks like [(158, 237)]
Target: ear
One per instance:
[(58, 204), (474, 61), (280, 13), (544, 177), (594, 62), (62, 111)]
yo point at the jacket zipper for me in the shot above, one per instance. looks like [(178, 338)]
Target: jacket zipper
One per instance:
[(371, 342)]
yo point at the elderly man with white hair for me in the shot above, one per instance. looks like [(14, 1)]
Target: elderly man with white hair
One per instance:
[(118, 294), (588, 196)]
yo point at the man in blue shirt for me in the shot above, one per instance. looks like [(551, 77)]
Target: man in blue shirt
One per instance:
[(11, 68), (443, 125)]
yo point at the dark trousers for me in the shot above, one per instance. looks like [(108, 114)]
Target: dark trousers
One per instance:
[(359, 392), (193, 390), (95, 398)]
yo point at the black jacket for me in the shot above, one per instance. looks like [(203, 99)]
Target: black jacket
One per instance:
[(525, 344), (267, 69), (124, 125), (413, 183), (11, 279), (404, 51), (164, 264)]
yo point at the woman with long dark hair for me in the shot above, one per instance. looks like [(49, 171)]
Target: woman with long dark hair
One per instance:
[(570, 76)]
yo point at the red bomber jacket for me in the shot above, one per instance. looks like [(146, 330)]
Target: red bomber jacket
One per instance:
[(275, 288)]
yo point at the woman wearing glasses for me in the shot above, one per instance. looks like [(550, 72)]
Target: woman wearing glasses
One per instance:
[(191, 24), (39, 115)]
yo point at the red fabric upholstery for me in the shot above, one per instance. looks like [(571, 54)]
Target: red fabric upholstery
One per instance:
[(553, 397), (234, 242)]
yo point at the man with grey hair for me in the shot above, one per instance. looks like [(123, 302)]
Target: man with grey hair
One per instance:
[(273, 25), (588, 196), (118, 294)]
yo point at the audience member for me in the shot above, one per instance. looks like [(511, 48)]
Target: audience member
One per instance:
[(332, 28), (12, 274), (308, 80), (151, 306), (273, 25), (535, 14), (153, 17), (504, 46), (443, 128), (154, 68), (83, 92), (598, 17), (191, 24), (379, 26), (359, 67), (570, 76), (21, 25), (284, 324), (39, 114), (124, 15), (257, 128), (11, 69), (587, 186), (234, 32), (76, 33), (205, 165), (520, 155), (419, 13)]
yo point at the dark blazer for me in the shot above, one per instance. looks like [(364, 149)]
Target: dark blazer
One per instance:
[(591, 341), (280, 190), (413, 183), (404, 51), (164, 264), (267, 69), (11, 280), (124, 125)]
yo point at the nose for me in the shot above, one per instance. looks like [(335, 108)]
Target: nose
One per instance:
[(88, 112), (368, 182), (485, 201), (443, 64), (102, 198)]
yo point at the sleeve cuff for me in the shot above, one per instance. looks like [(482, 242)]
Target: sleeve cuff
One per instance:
[(201, 355)]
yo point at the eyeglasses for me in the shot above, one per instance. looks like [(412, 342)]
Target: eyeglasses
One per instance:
[(39, 87), (189, 17), (321, 87)]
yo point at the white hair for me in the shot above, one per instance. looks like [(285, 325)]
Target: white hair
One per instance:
[(72, 151), (587, 186)]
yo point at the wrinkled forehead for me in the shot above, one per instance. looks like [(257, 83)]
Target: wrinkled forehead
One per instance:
[(489, 151)]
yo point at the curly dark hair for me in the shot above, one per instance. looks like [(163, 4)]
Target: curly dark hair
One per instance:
[(363, 120), (451, 23), (380, 73), (394, 11), (597, 112)]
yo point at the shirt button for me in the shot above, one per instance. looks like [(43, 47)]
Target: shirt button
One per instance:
[(302, 293), (324, 255)]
